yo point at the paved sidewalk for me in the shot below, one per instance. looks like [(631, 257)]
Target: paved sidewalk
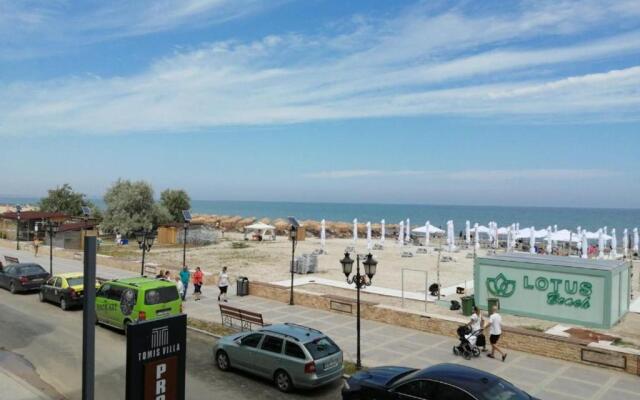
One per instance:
[(14, 388), (384, 344)]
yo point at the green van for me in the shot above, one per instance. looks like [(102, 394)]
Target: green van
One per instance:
[(122, 301)]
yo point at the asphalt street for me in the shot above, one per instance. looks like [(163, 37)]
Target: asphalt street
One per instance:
[(44, 344)]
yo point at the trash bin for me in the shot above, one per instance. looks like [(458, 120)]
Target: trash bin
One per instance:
[(493, 301), (467, 305), (242, 286)]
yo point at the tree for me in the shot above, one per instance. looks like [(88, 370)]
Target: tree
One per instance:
[(64, 199), (130, 206), (175, 201)]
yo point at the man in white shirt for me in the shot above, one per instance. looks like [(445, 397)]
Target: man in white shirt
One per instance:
[(223, 284), (495, 330), (477, 324)]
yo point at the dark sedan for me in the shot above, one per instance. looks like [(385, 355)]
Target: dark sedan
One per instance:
[(439, 382), (22, 277)]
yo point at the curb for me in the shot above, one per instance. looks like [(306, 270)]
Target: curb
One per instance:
[(203, 332)]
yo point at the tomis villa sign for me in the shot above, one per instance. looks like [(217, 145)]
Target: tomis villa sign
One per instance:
[(592, 293)]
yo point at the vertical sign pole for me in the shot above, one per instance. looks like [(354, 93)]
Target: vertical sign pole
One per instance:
[(50, 248), (88, 318)]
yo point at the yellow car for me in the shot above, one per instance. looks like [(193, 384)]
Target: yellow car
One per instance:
[(67, 290)]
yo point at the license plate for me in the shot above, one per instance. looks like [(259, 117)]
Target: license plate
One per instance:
[(37, 280), (330, 364), (163, 313)]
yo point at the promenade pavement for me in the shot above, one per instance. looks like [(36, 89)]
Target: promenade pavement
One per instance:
[(18, 389), (384, 344)]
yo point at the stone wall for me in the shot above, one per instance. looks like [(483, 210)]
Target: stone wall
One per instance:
[(568, 349)]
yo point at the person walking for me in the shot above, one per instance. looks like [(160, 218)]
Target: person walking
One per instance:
[(495, 330), (185, 277), (477, 324), (198, 280), (223, 284), (179, 285), (36, 245)]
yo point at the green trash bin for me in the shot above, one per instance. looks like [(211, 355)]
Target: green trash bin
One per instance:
[(467, 305), (493, 301)]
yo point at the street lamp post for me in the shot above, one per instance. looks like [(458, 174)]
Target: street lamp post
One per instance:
[(293, 235), (360, 281), (52, 229), (145, 240), (18, 212), (186, 215)]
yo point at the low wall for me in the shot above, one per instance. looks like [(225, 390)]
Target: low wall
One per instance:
[(568, 349)]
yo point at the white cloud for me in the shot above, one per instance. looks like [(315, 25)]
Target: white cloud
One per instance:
[(422, 62), (472, 175)]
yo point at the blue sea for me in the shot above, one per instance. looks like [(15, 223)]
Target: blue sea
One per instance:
[(438, 215)]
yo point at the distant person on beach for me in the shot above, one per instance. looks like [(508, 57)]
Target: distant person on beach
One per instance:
[(36, 246), (185, 277), (223, 284), (495, 331), (118, 238), (198, 280), (477, 324)]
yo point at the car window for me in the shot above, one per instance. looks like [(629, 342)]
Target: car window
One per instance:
[(272, 344), (10, 270), (251, 340), (75, 281), (104, 290), (31, 270), (51, 281), (419, 389), (502, 390), (445, 391), (322, 347), (116, 292), (293, 350), (160, 295), (58, 283)]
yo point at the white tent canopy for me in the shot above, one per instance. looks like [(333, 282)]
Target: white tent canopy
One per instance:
[(262, 229), (432, 230), (565, 235)]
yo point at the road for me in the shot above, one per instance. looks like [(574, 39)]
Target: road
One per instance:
[(44, 344)]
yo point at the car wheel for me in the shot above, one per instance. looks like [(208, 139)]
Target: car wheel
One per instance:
[(41, 295), (12, 288), (63, 304), (283, 381), (222, 360)]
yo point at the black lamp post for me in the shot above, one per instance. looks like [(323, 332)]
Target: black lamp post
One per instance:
[(18, 212), (293, 235), (370, 265), (52, 229), (186, 215), (145, 240)]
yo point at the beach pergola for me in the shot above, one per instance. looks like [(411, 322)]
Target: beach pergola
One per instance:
[(263, 230)]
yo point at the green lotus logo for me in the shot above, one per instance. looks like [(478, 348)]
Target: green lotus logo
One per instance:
[(501, 286)]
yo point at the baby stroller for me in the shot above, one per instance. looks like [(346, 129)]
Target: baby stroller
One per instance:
[(467, 346)]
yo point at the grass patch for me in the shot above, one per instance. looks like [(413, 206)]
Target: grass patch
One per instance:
[(239, 245), (350, 367), (623, 343), (211, 327), (534, 328)]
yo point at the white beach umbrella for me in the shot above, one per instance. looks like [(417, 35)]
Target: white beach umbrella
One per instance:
[(555, 229), (467, 233), (549, 241), (401, 234), (579, 238), (407, 231), (605, 231), (614, 244), (476, 237), (625, 242), (322, 233), (427, 230), (368, 235), (382, 231), (532, 240), (585, 245), (355, 230), (450, 236), (636, 240), (600, 244)]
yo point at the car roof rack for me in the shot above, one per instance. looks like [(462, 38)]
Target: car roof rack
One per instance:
[(303, 327), (286, 335)]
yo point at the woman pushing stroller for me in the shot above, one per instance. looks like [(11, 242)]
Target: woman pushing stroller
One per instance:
[(477, 326)]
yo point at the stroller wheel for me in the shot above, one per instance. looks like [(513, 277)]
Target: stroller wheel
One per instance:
[(476, 352), (456, 352), (466, 355)]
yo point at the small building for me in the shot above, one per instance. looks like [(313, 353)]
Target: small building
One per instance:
[(593, 293), (30, 223), (71, 235), (173, 233)]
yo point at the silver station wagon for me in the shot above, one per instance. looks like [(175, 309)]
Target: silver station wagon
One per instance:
[(289, 354)]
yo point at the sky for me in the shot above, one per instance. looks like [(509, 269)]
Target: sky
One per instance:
[(426, 102)]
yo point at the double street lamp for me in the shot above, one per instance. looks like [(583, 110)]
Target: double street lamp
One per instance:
[(145, 239), (18, 216), (360, 281)]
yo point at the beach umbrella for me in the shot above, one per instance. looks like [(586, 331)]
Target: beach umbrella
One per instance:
[(467, 233), (549, 241), (476, 237), (401, 234), (407, 231), (355, 230), (585, 245), (614, 244), (382, 232), (532, 240), (322, 233), (605, 231), (368, 235), (450, 236), (625, 242), (427, 233), (636, 240), (600, 244)]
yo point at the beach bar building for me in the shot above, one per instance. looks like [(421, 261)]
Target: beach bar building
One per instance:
[(593, 293)]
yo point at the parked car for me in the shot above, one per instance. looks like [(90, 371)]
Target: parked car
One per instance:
[(439, 382), (291, 355), (66, 290), (22, 277), (121, 302)]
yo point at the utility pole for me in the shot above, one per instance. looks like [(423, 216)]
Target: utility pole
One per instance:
[(89, 317)]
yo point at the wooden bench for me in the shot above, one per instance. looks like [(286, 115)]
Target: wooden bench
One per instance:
[(246, 318), (11, 260)]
